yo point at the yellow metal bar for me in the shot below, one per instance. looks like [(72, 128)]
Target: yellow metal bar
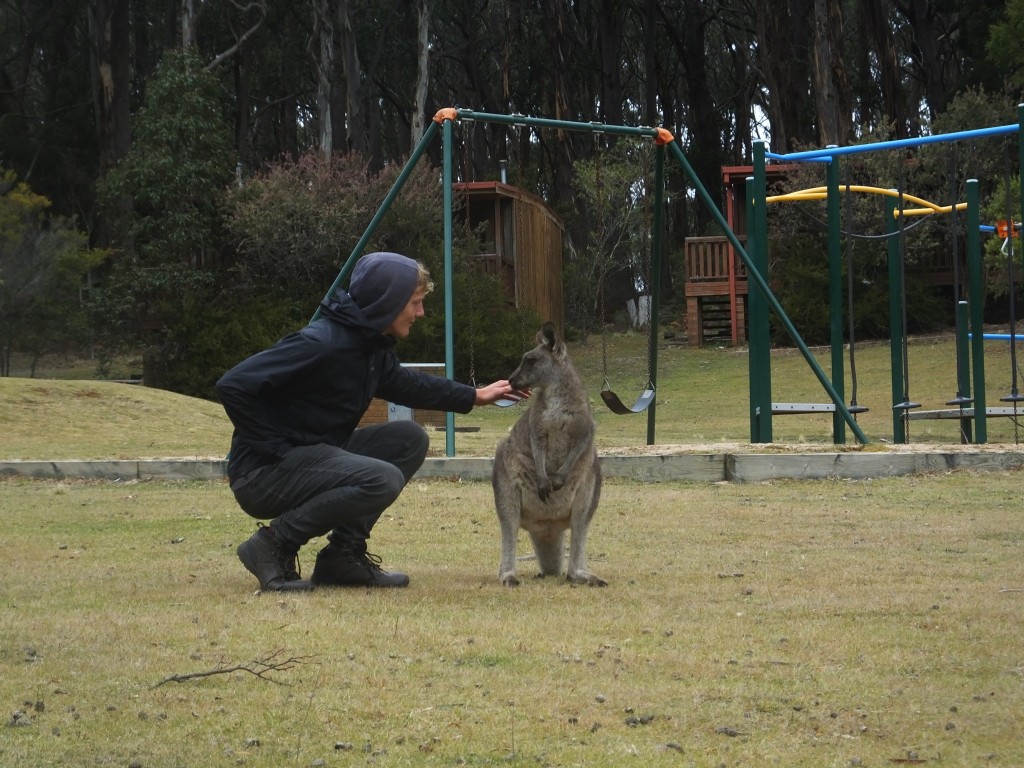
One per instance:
[(820, 193)]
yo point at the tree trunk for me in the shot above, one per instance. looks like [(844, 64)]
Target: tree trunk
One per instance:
[(351, 70), (705, 124), (109, 23), (419, 115), (783, 57), (560, 32), (323, 32), (878, 27), (109, 29), (831, 85), (934, 59), (189, 21), (610, 22)]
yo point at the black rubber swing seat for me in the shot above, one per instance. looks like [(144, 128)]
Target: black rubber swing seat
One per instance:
[(615, 405)]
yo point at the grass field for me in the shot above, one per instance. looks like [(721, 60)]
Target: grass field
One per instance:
[(789, 623), (702, 399), (827, 623)]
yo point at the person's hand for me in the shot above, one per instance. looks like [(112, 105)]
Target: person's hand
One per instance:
[(500, 391)]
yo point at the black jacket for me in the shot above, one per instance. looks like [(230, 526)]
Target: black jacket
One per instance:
[(314, 385)]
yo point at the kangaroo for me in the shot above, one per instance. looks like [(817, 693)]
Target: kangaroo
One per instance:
[(546, 475)]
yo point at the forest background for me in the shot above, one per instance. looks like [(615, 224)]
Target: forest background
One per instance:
[(183, 179)]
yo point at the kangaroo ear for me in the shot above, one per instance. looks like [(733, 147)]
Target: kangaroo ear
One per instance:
[(551, 340)]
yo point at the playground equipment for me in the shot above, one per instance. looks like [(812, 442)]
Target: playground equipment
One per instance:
[(969, 312), (762, 301)]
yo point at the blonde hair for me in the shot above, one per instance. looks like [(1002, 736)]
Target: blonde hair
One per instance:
[(423, 281)]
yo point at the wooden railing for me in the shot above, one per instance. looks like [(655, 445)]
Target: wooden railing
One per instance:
[(707, 260)]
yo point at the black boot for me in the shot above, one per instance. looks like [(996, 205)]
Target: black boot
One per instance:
[(350, 565), (270, 562)]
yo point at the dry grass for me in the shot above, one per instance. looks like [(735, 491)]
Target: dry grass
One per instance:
[(827, 623)]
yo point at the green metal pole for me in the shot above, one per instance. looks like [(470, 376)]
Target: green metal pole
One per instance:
[(449, 302), (835, 293), (753, 300), (760, 330), (414, 158), (656, 223), (976, 299), (755, 275), (759, 361), (899, 432)]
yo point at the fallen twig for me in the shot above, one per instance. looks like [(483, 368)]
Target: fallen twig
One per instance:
[(261, 668)]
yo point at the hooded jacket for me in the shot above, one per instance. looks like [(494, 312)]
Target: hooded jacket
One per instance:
[(314, 385)]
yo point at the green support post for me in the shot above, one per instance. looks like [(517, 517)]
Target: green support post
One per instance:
[(835, 293), (976, 299), (449, 302), (759, 333)]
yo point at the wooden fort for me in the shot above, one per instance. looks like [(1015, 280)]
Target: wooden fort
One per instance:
[(522, 244)]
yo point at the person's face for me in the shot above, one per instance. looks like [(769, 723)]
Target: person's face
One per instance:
[(401, 325)]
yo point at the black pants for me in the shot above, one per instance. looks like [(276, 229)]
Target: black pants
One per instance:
[(320, 489)]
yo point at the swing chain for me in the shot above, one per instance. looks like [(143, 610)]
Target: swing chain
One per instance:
[(599, 210), (647, 260), (473, 292)]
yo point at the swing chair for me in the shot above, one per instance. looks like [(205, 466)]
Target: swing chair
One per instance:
[(612, 400), (608, 395)]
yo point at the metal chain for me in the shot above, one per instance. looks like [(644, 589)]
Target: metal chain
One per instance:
[(473, 293), (599, 209)]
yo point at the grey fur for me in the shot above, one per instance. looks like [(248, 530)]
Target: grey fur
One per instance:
[(546, 475)]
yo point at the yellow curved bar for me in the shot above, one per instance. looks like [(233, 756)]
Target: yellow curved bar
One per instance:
[(820, 193)]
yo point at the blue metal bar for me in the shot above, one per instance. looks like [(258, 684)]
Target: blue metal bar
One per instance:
[(818, 154)]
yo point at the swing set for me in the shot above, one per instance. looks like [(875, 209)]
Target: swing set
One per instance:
[(761, 299), (443, 123)]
